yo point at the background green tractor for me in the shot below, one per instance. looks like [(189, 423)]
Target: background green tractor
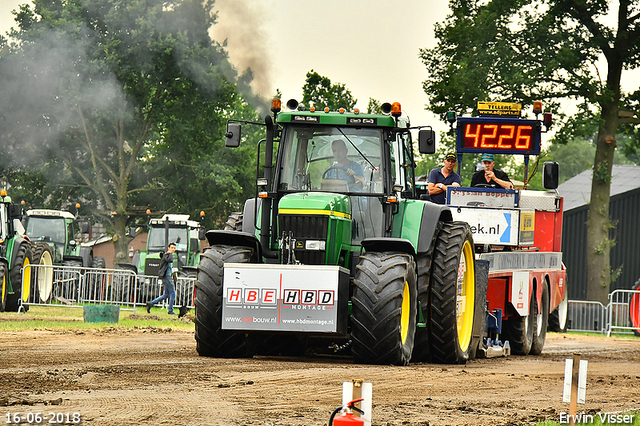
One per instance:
[(15, 257), (171, 228), (340, 253), (55, 233)]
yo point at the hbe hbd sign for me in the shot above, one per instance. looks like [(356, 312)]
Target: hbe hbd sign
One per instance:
[(305, 298)]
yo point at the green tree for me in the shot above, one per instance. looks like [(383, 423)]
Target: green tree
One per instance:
[(127, 98), (527, 50), (318, 91)]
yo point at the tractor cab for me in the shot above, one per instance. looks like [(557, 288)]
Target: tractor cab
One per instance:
[(337, 181)]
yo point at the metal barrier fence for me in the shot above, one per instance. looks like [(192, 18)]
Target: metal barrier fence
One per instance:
[(585, 315), (621, 305), (76, 286)]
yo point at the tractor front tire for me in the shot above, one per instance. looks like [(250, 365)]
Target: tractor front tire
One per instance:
[(211, 339), (4, 286), (18, 272), (384, 308), (43, 279), (453, 292), (541, 322), (421, 350)]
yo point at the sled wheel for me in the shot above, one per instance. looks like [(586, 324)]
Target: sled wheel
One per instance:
[(558, 319), (541, 322), (634, 309), (452, 295), (384, 308), (211, 339), (520, 330), (43, 279)]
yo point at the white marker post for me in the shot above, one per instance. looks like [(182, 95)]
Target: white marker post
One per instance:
[(356, 389), (575, 384)]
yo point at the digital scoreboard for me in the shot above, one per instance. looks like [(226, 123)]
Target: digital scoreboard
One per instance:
[(497, 135)]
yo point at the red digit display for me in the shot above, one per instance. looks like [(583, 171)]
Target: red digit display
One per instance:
[(498, 136)]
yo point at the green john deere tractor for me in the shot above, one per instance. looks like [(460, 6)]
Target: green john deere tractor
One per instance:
[(53, 234), (340, 250), (15, 257), (170, 228)]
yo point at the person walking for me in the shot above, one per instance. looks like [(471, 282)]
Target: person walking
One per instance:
[(164, 273)]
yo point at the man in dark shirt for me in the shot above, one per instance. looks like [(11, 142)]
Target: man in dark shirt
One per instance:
[(164, 274), (442, 177), (490, 177)]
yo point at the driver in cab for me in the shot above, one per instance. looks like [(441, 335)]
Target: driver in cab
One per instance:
[(489, 177), (343, 168)]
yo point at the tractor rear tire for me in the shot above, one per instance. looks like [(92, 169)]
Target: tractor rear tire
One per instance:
[(18, 269), (453, 292), (98, 262), (384, 308), (234, 222), (211, 339), (634, 309), (541, 322), (519, 331), (43, 279), (4, 286)]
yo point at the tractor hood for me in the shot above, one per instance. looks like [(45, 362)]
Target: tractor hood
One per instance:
[(316, 203)]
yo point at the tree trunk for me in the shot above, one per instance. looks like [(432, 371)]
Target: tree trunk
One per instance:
[(598, 225), (120, 239)]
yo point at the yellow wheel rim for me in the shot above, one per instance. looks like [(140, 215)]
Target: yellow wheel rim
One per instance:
[(45, 276), (26, 279), (404, 315), (4, 287), (465, 300)]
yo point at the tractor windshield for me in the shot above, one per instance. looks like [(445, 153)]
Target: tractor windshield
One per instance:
[(332, 159), (344, 160), (50, 229), (157, 242)]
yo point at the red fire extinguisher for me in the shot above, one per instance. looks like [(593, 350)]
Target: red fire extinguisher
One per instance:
[(347, 419)]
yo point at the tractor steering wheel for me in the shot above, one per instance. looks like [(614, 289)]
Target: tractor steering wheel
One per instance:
[(352, 179)]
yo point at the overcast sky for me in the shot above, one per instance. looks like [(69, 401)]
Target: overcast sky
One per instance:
[(372, 47)]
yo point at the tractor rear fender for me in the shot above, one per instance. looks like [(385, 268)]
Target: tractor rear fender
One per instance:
[(249, 215), (86, 253), (16, 243), (389, 244), (235, 238), (432, 216)]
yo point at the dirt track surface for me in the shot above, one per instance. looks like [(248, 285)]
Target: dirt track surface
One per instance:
[(155, 377)]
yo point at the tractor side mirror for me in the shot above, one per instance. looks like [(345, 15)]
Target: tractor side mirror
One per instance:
[(550, 175), (201, 234), (85, 227), (232, 137), (15, 210), (427, 141), (132, 232)]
